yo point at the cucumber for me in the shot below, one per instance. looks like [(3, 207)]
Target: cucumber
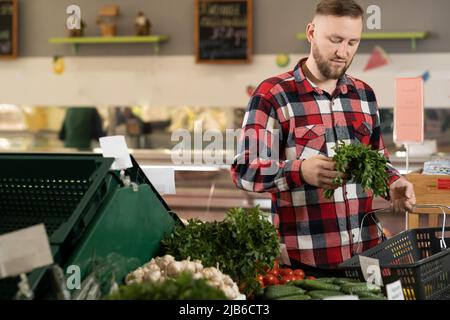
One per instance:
[(279, 291), (342, 281), (296, 297), (357, 288), (322, 294), (316, 285), (327, 280), (373, 298), (370, 295)]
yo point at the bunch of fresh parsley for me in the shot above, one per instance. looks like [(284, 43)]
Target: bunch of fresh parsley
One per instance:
[(242, 245), (363, 165)]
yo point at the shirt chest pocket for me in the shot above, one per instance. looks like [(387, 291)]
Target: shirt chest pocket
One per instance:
[(310, 141), (361, 131)]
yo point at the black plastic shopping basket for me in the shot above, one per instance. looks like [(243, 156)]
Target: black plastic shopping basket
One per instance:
[(419, 258)]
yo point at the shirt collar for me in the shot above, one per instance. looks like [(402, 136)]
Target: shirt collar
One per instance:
[(345, 83)]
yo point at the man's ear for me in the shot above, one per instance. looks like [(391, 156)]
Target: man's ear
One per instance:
[(310, 31)]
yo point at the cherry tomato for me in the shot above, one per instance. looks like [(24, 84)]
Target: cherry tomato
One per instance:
[(270, 280), (286, 272), (300, 273), (259, 277), (286, 279), (311, 278), (274, 272)]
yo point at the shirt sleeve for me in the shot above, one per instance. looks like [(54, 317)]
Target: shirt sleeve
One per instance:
[(257, 166)]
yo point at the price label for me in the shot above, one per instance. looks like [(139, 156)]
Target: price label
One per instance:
[(24, 250), (395, 291), (116, 147)]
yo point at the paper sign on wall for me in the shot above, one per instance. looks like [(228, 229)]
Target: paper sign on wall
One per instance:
[(409, 110), (116, 147), (24, 250)]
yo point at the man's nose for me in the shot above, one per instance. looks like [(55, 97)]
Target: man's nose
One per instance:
[(342, 50)]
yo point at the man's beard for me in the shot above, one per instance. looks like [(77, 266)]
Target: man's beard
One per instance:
[(325, 68)]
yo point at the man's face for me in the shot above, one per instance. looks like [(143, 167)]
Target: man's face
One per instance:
[(334, 44)]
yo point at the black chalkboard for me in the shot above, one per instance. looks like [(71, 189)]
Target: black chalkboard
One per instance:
[(223, 31), (8, 28)]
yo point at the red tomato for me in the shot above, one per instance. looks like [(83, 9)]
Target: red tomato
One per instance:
[(286, 272), (259, 277), (311, 278), (274, 272), (286, 279), (270, 280), (297, 277), (300, 273)]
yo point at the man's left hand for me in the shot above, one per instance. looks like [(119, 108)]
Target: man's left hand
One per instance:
[(402, 195)]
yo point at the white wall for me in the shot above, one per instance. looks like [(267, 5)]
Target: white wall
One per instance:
[(178, 81)]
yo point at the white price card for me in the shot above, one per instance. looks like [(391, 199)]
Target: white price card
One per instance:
[(162, 178), (394, 291), (24, 250), (370, 268), (116, 147)]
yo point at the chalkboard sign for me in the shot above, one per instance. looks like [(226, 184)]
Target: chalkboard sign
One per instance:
[(8, 29), (223, 31)]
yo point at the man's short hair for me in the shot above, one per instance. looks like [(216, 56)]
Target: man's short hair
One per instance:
[(339, 8)]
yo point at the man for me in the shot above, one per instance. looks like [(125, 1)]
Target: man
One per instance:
[(301, 115)]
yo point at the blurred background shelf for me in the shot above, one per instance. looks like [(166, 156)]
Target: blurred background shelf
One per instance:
[(76, 41)]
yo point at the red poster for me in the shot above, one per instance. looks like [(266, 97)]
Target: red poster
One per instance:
[(409, 110)]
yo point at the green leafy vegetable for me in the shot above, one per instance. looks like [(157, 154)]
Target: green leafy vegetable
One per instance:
[(362, 164), (241, 245), (184, 287)]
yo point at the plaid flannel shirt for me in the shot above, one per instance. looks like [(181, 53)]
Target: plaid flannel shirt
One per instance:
[(289, 116)]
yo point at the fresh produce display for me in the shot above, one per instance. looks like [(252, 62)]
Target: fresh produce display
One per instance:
[(322, 288), (362, 164), (160, 269), (182, 287), (241, 245)]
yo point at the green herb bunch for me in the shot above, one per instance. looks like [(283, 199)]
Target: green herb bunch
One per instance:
[(183, 287), (363, 165), (242, 245)]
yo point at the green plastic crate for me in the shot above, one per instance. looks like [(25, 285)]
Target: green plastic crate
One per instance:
[(76, 197)]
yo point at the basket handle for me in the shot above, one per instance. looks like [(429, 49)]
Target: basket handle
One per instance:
[(377, 223), (442, 208)]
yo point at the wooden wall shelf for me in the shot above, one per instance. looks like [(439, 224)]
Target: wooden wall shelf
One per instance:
[(76, 41)]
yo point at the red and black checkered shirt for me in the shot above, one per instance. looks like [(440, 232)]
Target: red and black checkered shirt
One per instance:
[(289, 116)]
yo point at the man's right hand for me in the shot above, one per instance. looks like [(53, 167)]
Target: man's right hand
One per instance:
[(320, 171)]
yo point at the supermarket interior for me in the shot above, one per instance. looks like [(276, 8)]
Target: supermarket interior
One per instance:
[(126, 139)]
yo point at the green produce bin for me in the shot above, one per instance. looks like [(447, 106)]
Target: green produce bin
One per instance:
[(87, 211)]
